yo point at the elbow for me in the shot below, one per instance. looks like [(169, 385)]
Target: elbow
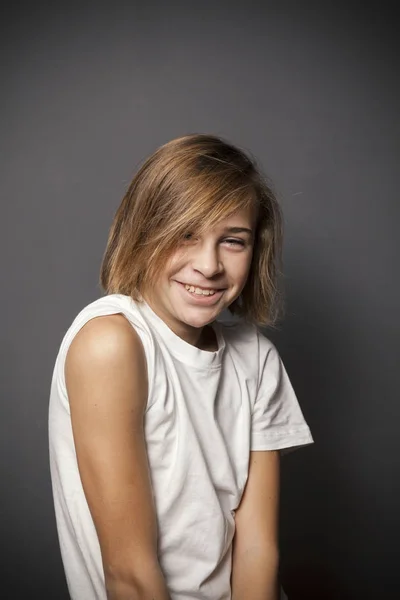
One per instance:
[(269, 553), (123, 589), (266, 554), (134, 585)]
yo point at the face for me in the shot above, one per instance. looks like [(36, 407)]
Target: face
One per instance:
[(205, 275)]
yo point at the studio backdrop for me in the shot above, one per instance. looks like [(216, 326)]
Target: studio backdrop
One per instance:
[(312, 91)]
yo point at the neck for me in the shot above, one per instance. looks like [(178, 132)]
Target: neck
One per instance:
[(201, 337)]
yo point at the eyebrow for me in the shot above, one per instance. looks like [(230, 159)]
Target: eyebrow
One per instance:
[(239, 230)]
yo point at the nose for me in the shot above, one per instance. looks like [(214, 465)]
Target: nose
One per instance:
[(206, 260)]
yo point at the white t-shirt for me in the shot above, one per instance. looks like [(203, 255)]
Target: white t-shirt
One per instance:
[(205, 412)]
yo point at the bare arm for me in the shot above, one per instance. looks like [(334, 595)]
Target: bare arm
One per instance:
[(106, 381), (255, 549)]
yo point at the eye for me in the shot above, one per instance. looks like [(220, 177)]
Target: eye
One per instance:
[(234, 242), (188, 238)]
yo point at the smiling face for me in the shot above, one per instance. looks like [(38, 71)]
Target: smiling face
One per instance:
[(197, 184), (205, 274)]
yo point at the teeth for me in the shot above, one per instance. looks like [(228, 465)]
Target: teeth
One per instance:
[(198, 291)]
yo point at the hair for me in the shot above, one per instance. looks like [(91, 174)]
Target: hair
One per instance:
[(189, 184)]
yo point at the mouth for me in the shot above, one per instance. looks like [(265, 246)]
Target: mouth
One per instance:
[(201, 294), (197, 289)]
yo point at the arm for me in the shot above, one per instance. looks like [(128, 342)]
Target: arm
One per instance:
[(107, 391), (255, 559)]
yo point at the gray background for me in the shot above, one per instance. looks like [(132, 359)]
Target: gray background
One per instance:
[(89, 90)]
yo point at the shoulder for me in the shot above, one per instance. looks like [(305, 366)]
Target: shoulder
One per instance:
[(105, 367), (250, 347), (105, 305), (238, 333), (246, 336), (266, 346), (105, 342), (119, 313), (241, 340)]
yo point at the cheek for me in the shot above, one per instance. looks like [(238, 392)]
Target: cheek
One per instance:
[(177, 260), (240, 269), (247, 266)]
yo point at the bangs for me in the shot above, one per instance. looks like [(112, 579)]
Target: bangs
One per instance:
[(198, 206), (202, 210)]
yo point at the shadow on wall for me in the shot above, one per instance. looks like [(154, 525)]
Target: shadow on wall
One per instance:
[(317, 497), (312, 582)]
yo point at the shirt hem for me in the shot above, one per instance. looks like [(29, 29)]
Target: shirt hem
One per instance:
[(285, 440)]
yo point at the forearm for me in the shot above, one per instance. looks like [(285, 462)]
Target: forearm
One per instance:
[(255, 576)]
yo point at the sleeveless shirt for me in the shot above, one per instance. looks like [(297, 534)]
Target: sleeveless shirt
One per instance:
[(205, 412)]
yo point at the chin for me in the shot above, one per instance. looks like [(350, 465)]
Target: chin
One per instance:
[(199, 320)]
